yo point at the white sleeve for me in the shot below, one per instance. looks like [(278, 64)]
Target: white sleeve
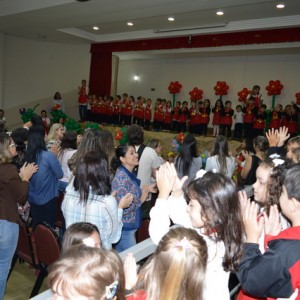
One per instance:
[(160, 214), (208, 166)]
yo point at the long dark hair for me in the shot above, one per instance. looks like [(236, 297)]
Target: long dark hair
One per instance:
[(92, 172), (221, 213), (221, 150), (36, 143), (120, 152), (189, 151)]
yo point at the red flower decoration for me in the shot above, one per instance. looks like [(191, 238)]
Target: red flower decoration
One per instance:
[(174, 87), (297, 95), (119, 135), (180, 137), (221, 88), (195, 94), (243, 94), (56, 107), (274, 87)]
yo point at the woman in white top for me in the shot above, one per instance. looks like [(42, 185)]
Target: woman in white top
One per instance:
[(188, 163), (220, 161)]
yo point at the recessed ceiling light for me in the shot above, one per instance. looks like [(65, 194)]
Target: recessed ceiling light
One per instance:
[(95, 27), (220, 13), (280, 5), (171, 19), (129, 23)]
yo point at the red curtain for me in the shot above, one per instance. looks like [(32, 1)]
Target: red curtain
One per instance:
[(100, 73)]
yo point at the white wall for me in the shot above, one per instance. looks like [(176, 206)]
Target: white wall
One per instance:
[(34, 71), (237, 71)]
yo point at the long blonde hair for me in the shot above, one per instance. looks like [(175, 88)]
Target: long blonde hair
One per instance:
[(5, 155), (170, 272), (52, 132)]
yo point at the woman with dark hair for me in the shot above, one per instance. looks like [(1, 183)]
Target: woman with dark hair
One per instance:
[(20, 137), (43, 188), (188, 163), (68, 147), (220, 161), (125, 182), (13, 190), (260, 145), (88, 198)]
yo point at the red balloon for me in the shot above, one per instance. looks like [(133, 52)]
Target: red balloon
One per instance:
[(274, 87)]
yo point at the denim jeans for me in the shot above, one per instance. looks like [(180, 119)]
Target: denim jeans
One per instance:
[(9, 234), (82, 112), (126, 241)]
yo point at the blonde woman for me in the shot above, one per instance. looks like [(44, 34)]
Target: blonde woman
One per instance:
[(55, 135)]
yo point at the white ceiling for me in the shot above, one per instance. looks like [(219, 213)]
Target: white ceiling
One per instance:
[(69, 21)]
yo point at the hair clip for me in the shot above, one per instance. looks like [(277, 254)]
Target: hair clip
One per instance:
[(90, 242), (275, 155), (277, 162), (184, 243), (111, 290), (200, 174)]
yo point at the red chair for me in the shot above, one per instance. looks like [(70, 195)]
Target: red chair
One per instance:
[(26, 251), (143, 232), (48, 251)]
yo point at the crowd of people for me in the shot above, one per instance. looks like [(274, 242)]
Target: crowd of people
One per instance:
[(107, 192)]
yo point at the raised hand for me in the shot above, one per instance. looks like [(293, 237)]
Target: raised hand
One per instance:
[(283, 135), (272, 136), (165, 179), (130, 271), (253, 225), (272, 222)]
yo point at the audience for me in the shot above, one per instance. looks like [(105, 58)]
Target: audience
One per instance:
[(88, 199), (125, 182), (81, 233), (43, 187), (220, 160), (171, 273), (188, 162), (55, 135), (274, 274), (87, 273), (213, 211), (13, 190)]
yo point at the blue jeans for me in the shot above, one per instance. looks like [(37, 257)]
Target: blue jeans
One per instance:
[(82, 112), (9, 234), (126, 241)]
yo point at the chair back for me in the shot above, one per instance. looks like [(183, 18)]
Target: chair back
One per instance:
[(47, 244), (26, 245)]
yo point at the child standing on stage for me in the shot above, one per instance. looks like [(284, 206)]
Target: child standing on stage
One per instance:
[(276, 117), (183, 117), (238, 126), (256, 95), (217, 110), (226, 119), (175, 114), (205, 116), (250, 110), (260, 121), (116, 110), (168, 116), (148, 114)]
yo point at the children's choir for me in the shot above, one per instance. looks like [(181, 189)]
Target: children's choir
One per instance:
[(250, 118)]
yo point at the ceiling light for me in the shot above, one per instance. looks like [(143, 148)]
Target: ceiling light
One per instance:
[(280, 5), (171, 19), (220, 13), (95, 27), (129, 23)]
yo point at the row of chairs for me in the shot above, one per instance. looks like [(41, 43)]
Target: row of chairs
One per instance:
[(39, 249)]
